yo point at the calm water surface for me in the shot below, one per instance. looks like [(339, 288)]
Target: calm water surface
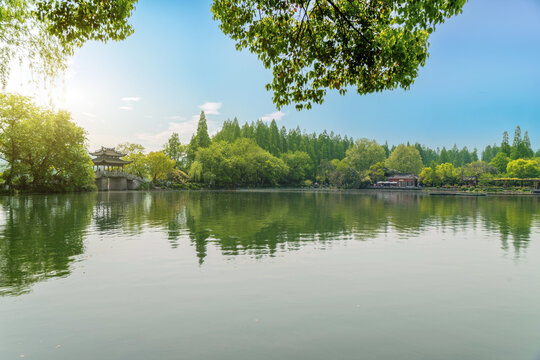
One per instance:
[(260, 275)]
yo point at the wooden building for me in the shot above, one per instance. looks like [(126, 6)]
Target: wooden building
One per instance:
[(108, 159), (403, 180)]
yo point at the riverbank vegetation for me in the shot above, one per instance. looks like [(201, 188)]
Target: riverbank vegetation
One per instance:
[(44, 151), (260, 154)]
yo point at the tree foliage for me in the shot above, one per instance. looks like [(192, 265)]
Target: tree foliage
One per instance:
[(134, 153), (159, 165), (138, 165), (365, 153), (319, 147), (44, 150), (447, 174), (478, 169), (500, 161), (313, 46), (523, 169), (241, 163), (299, 166), (405, 159), (200, 139), (175, 150), (43, 33), (428, 176)]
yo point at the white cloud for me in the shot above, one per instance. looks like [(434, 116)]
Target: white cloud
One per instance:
[(126, 108), (211, 108), (276, 115), (90, 115), (131, 99)]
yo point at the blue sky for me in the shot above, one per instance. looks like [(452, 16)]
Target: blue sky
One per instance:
[(482, 77)]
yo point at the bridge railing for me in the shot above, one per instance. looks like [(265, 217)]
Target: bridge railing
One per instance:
[(105, 173)]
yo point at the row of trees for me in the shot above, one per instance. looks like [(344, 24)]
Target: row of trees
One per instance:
[(43, 150), (156, 166), (520, 149), (505, 161), (447, 174), (261, 154)]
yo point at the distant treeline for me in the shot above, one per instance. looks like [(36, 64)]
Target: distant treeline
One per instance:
[(262, 154), (45, 151), (331, 146)]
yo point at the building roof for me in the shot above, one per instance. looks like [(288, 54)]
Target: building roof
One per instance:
[(403, 176), (104, 160), (109, 152)]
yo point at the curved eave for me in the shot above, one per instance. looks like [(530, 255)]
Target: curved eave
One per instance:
[(108, 153), (118, 162)]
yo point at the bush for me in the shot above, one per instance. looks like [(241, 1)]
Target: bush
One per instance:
[(146, 186)]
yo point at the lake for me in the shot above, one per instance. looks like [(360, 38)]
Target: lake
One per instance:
[(269, 275)]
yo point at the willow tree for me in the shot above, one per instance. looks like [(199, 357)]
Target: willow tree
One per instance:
[(44, 33), (315, 45)]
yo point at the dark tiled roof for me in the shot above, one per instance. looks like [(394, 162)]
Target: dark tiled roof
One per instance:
[(103, 160), (104, 151), (403, 176)]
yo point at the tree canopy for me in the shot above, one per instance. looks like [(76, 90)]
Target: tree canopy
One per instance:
[(365, 153), (200, 139), (405, 159), (43, 33), (44, 150), (175, 150), (158, 165), (523, 169), (239, 163), (313, 46)]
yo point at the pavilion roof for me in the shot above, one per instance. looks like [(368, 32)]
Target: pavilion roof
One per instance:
[(105, 151), (103, 160)]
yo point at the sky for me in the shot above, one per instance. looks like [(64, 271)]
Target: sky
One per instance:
[(482, 78)]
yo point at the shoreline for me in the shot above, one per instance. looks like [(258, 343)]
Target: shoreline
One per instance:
[(419, 191)]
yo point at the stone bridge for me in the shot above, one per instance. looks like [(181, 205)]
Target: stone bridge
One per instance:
[(117, 180)]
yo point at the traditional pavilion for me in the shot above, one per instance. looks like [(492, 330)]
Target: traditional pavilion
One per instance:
[(108, 159)]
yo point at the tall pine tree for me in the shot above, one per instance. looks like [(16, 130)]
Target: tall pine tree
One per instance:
[(515, 153), (505, 144), (200, 140)]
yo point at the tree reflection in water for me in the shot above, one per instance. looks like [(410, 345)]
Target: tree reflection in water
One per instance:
[(41, 235)]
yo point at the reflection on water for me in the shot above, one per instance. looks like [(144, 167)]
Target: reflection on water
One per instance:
[(41, 235)]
